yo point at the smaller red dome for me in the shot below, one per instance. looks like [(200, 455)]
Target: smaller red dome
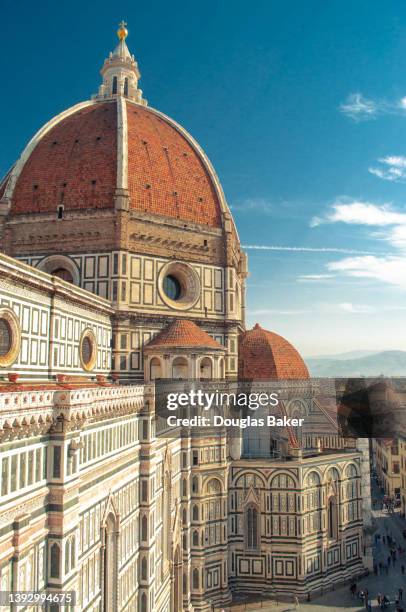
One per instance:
[(264, 355), (182, 333)]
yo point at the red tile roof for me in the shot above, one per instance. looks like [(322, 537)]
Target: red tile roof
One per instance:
[(75, 164), (264, 355), (183, 333), (165, 174)]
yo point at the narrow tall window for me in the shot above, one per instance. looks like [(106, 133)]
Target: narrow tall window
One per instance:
[(57, 462), (195, 579), (126, 87), (55, 560), (110, 561), (114, 85), (252, 527), (332, 518)]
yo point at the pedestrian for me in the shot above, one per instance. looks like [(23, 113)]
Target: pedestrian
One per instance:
[(402, 567), (375, 569), (389, 558), (384, 539), (400, 593), (296, 601)]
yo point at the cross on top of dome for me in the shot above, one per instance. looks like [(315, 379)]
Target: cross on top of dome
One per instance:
[(122, 32), (120, 72)]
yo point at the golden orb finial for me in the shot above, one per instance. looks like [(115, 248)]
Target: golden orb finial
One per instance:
[(122, 32)]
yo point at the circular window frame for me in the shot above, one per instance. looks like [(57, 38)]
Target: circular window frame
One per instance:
[(15, 344), (89, 335), (189, 282)]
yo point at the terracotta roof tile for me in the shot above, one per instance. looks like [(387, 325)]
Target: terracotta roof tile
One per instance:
[(264, 355), (165, 174), (184, 333), (74, 164)]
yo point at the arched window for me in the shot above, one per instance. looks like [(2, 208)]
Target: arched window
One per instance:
[(195, 538), (114, 91), (143, 603), (332, 518), (206, 369), (55, 560), (63, 274), (195, 484), (155, 369), (251, 522), (180, 368), (195, 579), (126, 87)]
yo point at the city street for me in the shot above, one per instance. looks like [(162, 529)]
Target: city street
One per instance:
[(385, 583)]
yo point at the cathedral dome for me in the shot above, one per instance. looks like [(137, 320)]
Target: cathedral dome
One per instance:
[(263, 355), (111, 149), (80, 159)]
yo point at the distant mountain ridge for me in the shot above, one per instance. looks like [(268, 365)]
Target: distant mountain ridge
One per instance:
[(385, 363)]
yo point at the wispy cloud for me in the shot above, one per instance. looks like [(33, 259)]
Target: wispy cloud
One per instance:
[(309, 278), (350, 308), (390, 269), (393, 168), (342, 308), (300, 249), (360, 108), (261, 205), (368, 214), (385, 223), (275, 311), (357, 212)]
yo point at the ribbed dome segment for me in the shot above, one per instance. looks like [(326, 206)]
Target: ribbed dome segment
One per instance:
[(74, 164), (165, 174), (264, 355), (186, 334), (84, 155)]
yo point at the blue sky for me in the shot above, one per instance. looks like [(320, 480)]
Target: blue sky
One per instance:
[(301, 106)]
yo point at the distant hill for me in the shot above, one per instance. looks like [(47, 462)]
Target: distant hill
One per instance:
[(346, 355), (386, 363)]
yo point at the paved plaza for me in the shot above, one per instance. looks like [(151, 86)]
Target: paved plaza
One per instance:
[(341, 599)]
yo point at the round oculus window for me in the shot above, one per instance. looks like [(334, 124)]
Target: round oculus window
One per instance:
[(179, 285), (5, 337), (10, 337), (172, 287), (88, 350)]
